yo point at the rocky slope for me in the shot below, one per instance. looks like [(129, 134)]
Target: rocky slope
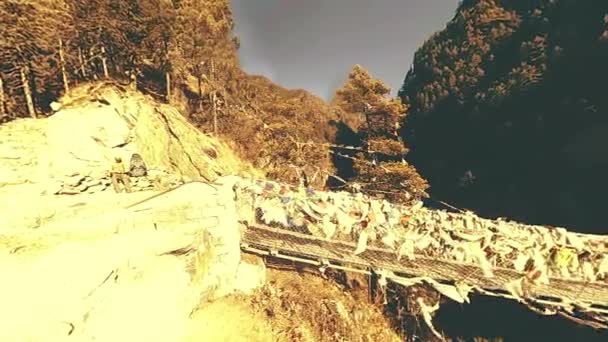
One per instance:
[(120, 123), (71, 151), (79, 258)]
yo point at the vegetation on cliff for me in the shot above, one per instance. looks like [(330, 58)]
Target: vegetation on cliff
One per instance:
[(182, 52), (508, 100)]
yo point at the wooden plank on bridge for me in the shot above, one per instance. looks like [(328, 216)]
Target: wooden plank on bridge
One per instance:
[(298, 244)]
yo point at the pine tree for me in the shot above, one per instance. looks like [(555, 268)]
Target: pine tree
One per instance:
[(200, 32), (192, 48), (382, 170), (159, 17), (31, 63)]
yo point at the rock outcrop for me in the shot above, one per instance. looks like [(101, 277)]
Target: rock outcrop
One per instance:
[(98, 122), (136, 278), (70, 152), (114, 267), (81, 183)]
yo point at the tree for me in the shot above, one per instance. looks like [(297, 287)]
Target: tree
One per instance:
[(31, 62), (110, 31), (159, 17), (382, 170), (506, 86), (3, 114)]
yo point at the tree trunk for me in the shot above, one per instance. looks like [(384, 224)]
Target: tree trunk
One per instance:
[(64, 74), (214, 98), (83, 70), (25, 73), (200, 92), (94, 68), (168, 85), (104, 62), (2, 99)]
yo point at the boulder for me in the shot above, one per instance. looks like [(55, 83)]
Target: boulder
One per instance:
[(85, 148), (136, 274), (83, 136), (250, 275), (143, 183), (55, 106), (92, 182)]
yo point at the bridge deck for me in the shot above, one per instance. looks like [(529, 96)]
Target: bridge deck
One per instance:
[(307, 246)]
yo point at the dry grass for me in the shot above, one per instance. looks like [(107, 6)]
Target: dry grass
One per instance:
[(305, 307), (231, 320)]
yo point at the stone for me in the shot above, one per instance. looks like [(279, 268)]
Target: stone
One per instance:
[(143, 183), (164, 182), (96, 188), (69, 191), (93, 182), (9, 153), (153, 173), (81, 137), (82, 187), (250, 276), (55, 106), (73, 181)]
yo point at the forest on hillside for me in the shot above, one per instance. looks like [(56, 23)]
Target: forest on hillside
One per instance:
[(508, 112), (185, 53), (181, 52)]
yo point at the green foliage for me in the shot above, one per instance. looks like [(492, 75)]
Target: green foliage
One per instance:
[(159, 19)]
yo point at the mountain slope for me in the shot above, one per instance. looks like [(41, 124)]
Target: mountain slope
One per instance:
[(507, 111), (181, 52)]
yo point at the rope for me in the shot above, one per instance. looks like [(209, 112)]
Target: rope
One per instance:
[(304, 246)]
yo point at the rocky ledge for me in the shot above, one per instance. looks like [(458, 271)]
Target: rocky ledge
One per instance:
[(90, 183)]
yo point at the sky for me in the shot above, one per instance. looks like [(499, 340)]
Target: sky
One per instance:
[(313, 44)]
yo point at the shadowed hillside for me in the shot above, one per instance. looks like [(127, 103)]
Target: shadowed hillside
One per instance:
[(508, 112)]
